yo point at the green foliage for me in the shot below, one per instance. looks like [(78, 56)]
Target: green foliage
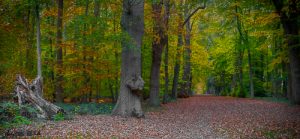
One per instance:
[(259, 89), (20, 120), (10, 116), (59, 117), (224, 93), (92, 52)]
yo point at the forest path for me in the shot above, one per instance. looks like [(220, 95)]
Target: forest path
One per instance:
[(194, 117)]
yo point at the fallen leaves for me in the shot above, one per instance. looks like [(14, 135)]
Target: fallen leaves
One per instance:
[(194, 117)]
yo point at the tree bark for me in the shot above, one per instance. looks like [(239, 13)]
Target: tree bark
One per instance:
[(132, 23), (28, 93), (289, 22), (157, 48), (59, 53), (185, 86), (177, 67), (178, 54)]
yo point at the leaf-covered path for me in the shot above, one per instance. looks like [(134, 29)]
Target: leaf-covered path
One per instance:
[(194, 117)]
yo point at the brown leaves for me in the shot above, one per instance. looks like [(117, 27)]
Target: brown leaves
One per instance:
[(195, 117)]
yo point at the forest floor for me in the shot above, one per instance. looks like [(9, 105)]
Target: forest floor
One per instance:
[(194, 117)]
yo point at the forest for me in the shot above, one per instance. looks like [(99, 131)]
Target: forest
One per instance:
[(150, 68)]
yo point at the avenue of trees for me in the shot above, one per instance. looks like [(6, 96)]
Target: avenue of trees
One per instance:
[(152, 51)]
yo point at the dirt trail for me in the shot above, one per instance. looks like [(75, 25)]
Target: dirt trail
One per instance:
[(194, 117)]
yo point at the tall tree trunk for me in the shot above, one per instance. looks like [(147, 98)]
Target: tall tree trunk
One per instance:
[(185, 86), (59, 53), (240, 54), (166, 45), (186, 78), (38, 48), (157, 48), (132, 23), (178, 54), (177, 67), (289, 21)]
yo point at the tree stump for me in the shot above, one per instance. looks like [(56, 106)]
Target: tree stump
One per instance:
[(30, 93)]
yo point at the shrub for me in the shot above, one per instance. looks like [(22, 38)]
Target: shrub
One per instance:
[(59, 117), (10, 115), (20, 120)]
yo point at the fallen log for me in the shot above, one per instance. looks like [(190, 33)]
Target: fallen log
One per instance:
[(30, 93)]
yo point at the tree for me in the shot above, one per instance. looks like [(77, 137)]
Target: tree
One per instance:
[(59, 53), (187, 74), (166, 46), (239, 54), (185, 89), (289, 14), (38, 48), (132, 23), (178, 52), (157, 49), (32, 93)]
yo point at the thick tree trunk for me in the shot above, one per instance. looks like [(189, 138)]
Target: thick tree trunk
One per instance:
[(59, 53), (132, 23), (155, 77), (28, 93), (290, 25), (157, 48)]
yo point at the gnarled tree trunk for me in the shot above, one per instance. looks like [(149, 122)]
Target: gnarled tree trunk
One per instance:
[(132, 23), (29, 93)]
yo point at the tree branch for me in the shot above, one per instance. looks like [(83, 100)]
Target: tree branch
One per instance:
[(196, 10)]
